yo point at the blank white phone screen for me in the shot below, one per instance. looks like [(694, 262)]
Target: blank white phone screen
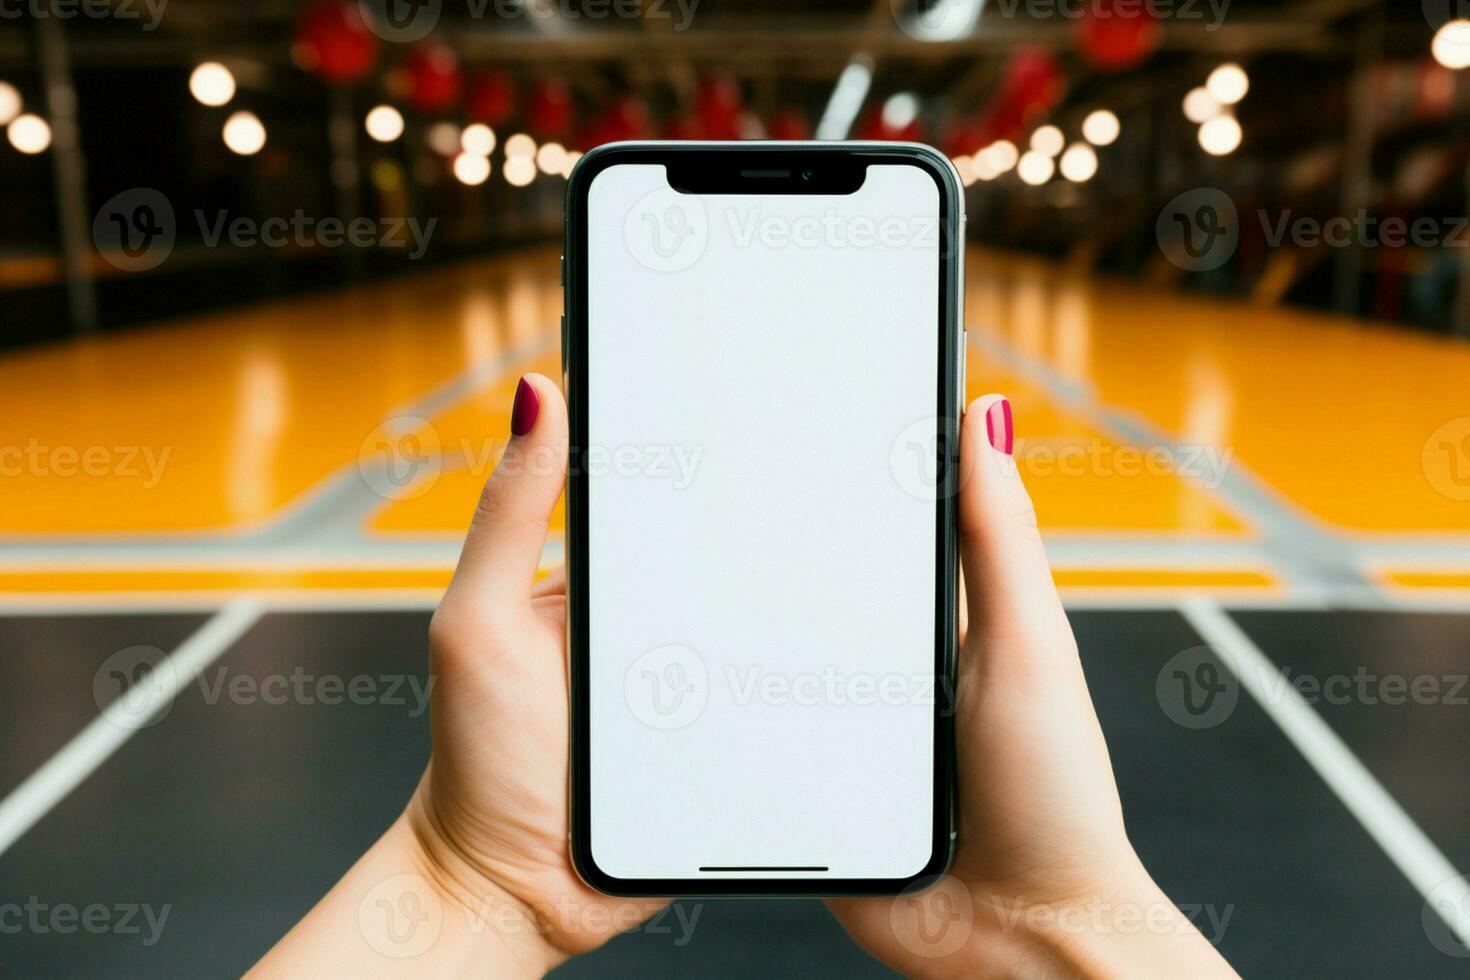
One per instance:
[(762, 387)]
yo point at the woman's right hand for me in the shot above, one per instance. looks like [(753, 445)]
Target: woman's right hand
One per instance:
[(1044, 880)]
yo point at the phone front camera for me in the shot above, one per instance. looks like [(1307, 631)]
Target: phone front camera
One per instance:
[(806, 174)]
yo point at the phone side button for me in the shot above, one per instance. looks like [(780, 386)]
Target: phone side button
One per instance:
[(964, 368), (563, 343)]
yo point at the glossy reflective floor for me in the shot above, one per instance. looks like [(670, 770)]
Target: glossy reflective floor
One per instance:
[(336, 443), (1261, 495)]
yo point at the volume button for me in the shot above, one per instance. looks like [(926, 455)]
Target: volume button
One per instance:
[(964, 367)]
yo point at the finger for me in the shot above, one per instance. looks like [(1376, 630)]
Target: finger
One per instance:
[(1012, 600), (553, 583), (964, 610), (503, 550)]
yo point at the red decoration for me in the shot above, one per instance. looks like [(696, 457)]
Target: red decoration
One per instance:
[(718, 107), (788, 124), (549, 110), (872, 127), (334, 42), (967, 137), (491, 98), (625, 119), (683, 128), (1031, 85), (1116, 36), (432, 78)]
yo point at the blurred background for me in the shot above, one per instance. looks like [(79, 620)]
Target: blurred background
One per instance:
[(269, 273), (1302, 110)]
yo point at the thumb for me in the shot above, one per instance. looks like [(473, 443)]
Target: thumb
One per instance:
[(1011, 599), (503, 549)]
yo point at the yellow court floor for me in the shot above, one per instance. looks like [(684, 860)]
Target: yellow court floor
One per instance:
[(334, 444)]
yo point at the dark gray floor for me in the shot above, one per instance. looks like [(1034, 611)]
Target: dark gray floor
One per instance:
[(237, 817)]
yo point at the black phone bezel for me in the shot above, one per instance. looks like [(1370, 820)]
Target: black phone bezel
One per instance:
[(716, 168)]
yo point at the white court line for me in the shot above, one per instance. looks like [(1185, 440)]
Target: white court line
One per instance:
[(1428, 870), (93, 745)]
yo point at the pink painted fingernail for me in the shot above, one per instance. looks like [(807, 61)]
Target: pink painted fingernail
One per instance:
[(527, 405), (998, 425)]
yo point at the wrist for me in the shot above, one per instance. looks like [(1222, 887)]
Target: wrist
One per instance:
[(1127, 927), (476, 912)]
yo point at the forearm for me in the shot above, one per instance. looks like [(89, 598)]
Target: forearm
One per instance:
[(397, 913)]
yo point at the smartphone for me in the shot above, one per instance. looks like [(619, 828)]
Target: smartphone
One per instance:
[(763, 358)]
